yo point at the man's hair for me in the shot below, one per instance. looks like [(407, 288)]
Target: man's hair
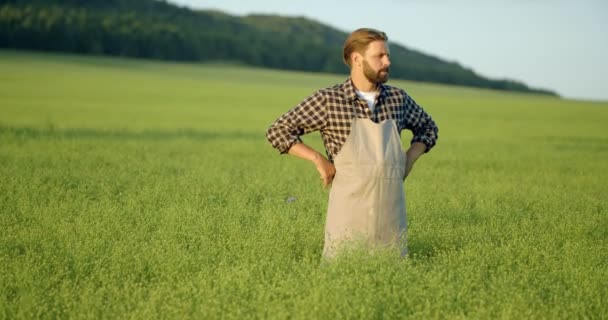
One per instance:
[(358, 41)]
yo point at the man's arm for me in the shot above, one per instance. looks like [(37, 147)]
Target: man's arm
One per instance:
[(412, 154), (308, 116), (424, 129), (325, 168)]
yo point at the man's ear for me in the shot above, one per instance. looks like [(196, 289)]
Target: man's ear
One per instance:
[(356, 58)]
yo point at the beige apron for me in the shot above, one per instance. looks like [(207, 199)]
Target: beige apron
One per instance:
[(367, 202)]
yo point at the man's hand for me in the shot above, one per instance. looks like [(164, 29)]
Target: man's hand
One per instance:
[(413, 153), (326, 169)]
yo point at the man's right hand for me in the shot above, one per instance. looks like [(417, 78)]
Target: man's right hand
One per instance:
[(326, 169)]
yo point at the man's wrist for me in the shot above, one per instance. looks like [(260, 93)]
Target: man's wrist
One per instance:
[(317, 157), (415, 151)]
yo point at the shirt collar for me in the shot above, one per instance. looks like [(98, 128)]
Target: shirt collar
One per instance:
[(350, 94)]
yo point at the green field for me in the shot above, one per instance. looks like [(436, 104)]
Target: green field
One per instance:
[(141, 190)]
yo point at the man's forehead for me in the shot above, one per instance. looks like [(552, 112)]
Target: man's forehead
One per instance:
[(378, 46)]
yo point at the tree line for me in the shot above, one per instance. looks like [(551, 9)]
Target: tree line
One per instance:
[(159, 30)]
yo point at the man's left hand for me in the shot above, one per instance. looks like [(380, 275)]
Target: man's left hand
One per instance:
[(413, 153)]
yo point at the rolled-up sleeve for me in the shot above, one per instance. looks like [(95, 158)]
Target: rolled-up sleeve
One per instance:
[(421, 124), (306, 117)]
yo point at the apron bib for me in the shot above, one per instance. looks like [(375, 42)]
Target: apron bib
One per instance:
[(367, 202)]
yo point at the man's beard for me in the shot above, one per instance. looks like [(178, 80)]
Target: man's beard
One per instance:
[(373, 76)]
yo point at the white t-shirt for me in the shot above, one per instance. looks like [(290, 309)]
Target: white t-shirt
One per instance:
[(370, 97)]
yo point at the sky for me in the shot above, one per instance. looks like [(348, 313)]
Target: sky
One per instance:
[(560, 45)]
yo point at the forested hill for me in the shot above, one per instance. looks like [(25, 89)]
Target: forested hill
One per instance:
[(160, 30)]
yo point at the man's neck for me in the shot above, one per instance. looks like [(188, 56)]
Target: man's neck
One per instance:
[(362, 84)]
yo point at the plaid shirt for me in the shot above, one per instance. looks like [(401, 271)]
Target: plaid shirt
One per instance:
[(330, 111)]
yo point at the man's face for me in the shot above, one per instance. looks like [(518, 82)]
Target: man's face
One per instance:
[(376, 62)]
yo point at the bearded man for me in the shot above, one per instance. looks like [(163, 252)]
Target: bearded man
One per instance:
[(360, 122)]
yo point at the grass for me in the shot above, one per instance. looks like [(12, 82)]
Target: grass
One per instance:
[(138, 189)]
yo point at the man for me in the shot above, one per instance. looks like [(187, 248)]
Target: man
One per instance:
[(360, 122)]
